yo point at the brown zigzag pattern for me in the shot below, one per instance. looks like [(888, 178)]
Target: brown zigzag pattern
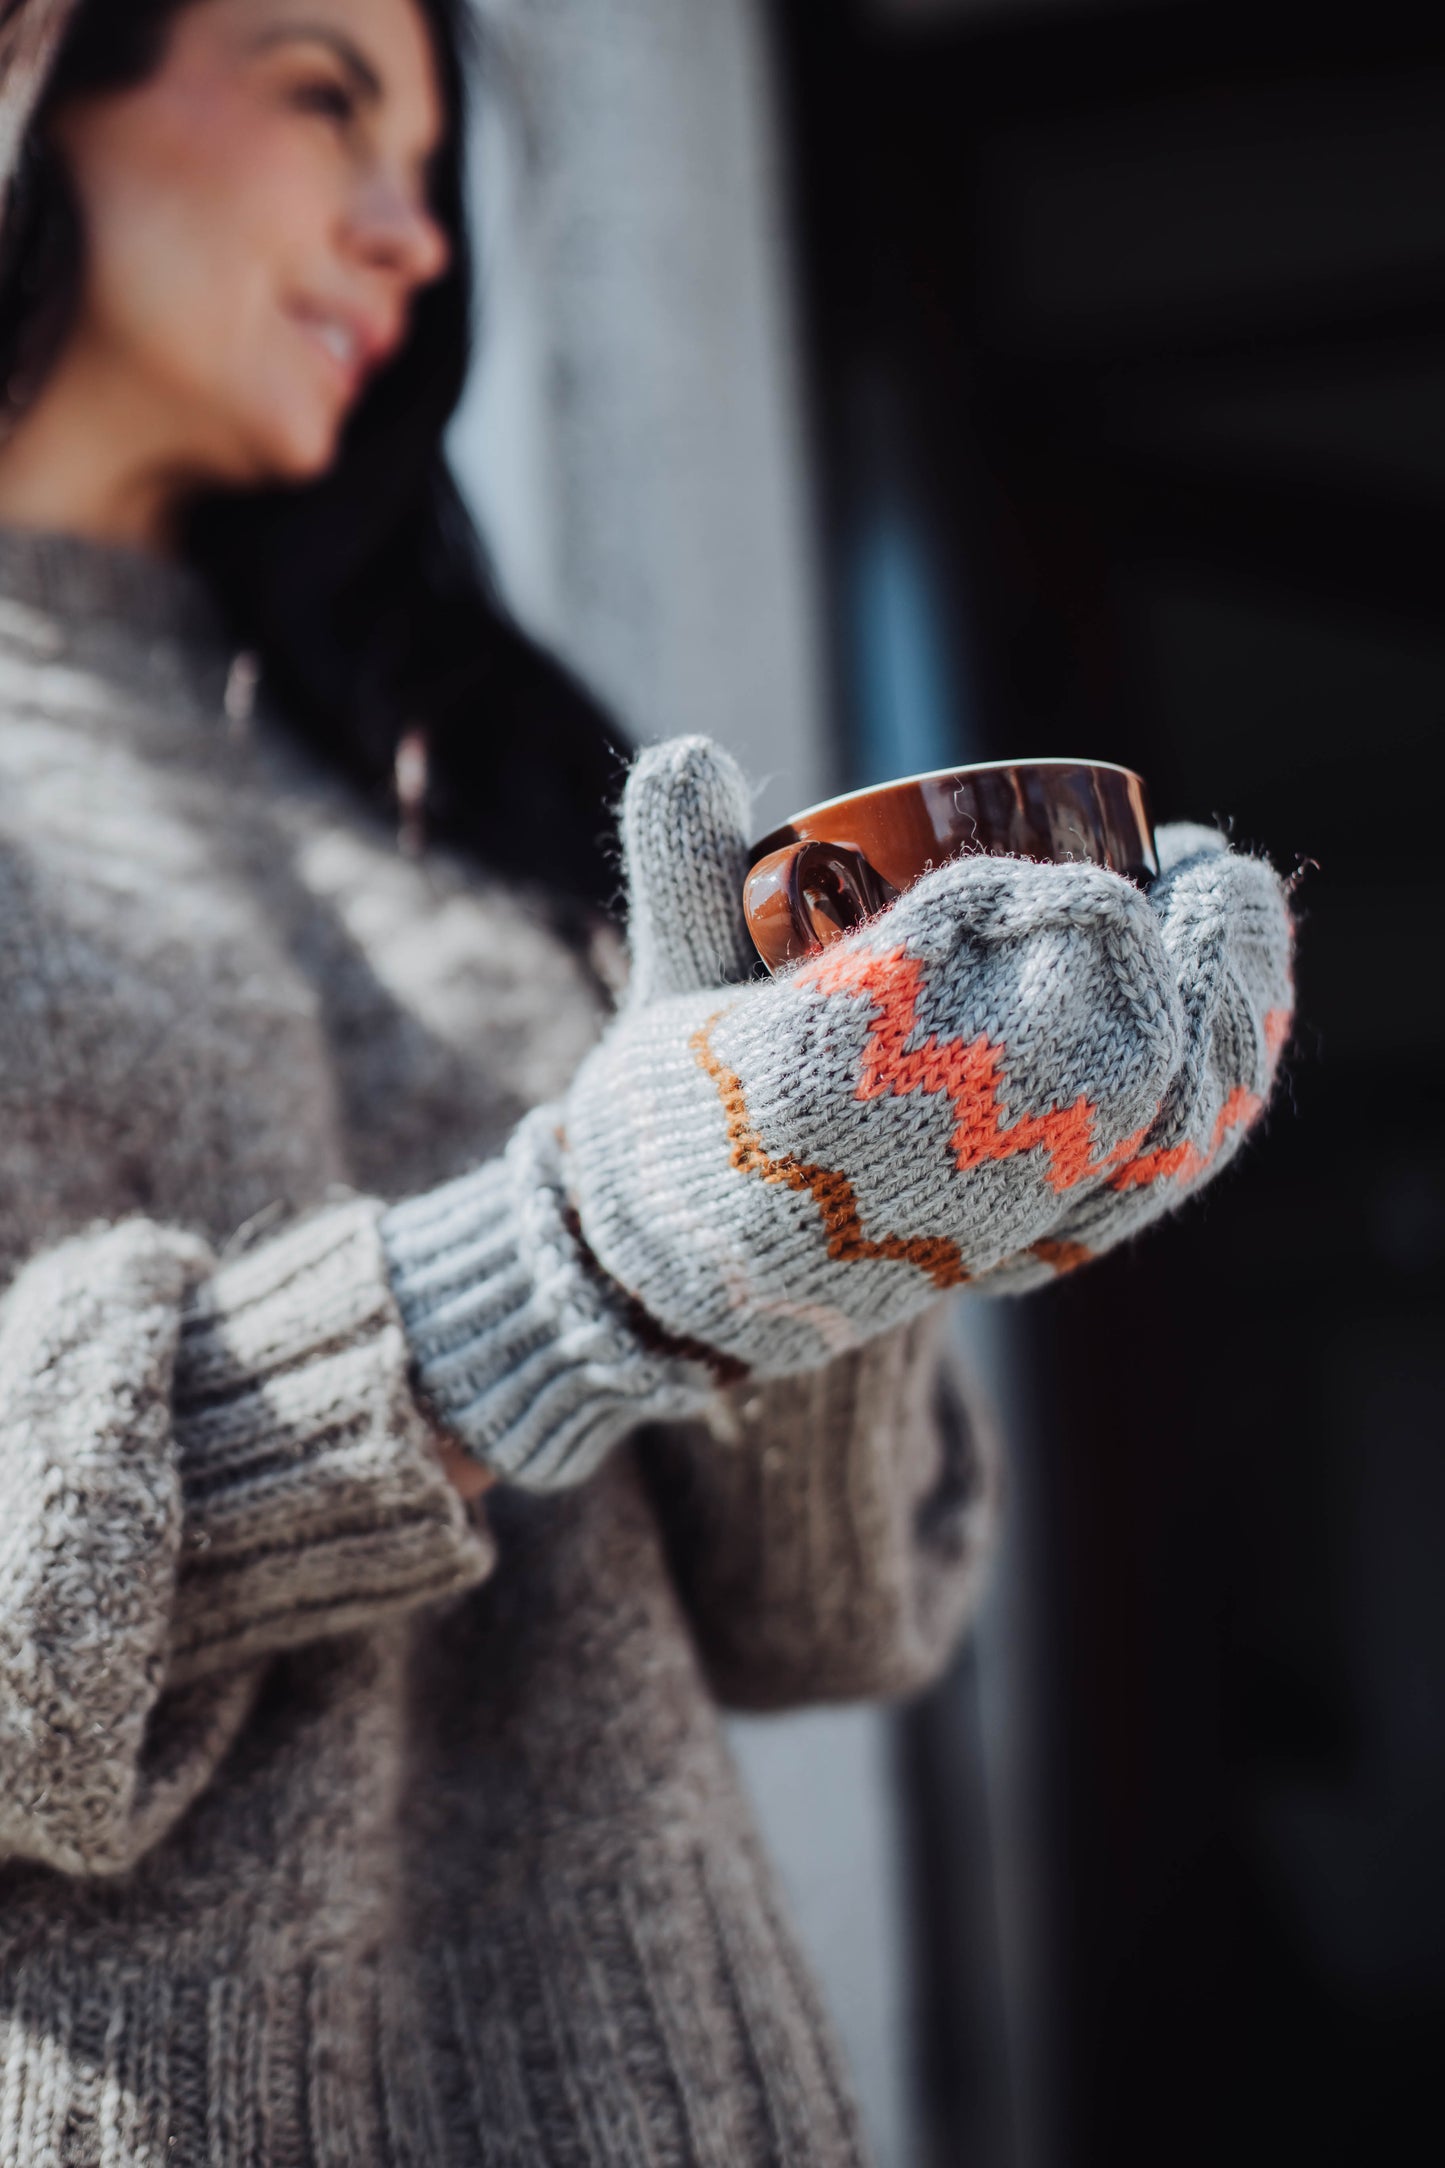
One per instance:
[(832, 1192)]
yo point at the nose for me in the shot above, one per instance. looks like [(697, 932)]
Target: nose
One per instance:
[(396, 233)]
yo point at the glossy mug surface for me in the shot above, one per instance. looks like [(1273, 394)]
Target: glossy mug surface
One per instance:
[(829, 868)]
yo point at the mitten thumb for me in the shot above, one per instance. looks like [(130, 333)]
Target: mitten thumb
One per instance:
[(685, 839), (1183, 840)]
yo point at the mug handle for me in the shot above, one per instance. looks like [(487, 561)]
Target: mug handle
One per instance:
[(800, 898)]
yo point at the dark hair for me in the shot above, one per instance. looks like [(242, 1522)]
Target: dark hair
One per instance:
[(365, 594)]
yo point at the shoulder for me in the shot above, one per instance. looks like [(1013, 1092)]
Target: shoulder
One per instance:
[(108, 889), (91, 835)]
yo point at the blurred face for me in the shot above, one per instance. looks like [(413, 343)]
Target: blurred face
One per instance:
[(257, 227)]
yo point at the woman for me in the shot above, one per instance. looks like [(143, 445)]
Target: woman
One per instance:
[(412, 1423)]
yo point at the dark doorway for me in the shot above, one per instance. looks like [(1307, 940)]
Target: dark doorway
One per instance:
[(1132, 322)]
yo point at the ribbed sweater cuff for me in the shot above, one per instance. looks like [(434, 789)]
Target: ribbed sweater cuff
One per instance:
[(314, 1496), (518, 1340)]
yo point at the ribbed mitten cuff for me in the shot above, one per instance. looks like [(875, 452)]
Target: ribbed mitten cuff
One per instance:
[(314, 1495), (517, 1339)]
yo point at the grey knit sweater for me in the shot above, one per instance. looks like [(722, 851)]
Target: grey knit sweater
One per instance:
[(337, 1824)]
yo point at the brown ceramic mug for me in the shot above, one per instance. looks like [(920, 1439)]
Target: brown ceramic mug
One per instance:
[(831, 867)]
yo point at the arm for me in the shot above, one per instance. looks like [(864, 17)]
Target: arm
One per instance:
[(198, 1467), (829, 1533), (1001, 1075)]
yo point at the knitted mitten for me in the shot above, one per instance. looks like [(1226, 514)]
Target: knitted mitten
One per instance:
[(1005, 1073), (1002, 1075), (1223, 921), (532, 1356)]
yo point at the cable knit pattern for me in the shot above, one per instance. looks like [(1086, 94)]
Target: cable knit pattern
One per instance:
[(338, 1823)]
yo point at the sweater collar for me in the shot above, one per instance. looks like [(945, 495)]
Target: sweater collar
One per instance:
[(82, 584)]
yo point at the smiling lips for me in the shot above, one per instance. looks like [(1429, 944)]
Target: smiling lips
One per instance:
[(356, 347)]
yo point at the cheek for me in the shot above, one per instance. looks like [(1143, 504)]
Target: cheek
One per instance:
[(200, 225)]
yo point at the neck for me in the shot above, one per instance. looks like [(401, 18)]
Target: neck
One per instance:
[(91, 457)]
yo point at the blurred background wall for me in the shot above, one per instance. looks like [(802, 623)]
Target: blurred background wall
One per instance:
[(877, 383), (634, 432)]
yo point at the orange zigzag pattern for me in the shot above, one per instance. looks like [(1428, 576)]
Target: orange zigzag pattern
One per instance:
[(1186, 1161), (970, 1072)]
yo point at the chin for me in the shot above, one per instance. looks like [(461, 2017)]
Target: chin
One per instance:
[(308, 459), (294, 449)]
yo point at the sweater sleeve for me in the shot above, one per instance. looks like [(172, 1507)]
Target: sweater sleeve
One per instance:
[(829, 1532), (199, 1466)]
